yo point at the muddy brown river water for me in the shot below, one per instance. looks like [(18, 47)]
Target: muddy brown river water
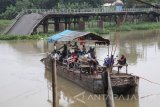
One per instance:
[(25, 83)]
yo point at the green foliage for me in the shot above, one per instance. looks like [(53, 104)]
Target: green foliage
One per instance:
[(22, 4), (125, 27), (5, 3), (43, 4), (10, 12), (92, 3), (145, 26), (24, 37), (138, 26), (98, 30), (5, 22)]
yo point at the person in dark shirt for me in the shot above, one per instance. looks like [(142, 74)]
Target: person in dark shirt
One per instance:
[(121, 61), (83, 52), (64, 52)]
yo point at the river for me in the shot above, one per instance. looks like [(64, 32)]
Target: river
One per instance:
[(25, 83)]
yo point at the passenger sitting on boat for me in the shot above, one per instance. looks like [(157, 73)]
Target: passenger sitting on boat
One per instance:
[(93, 62), (57, 55), (122, 61), (75, 46), (64, 52), (109, 61), (72, 59), (90, 50), (83, 51)]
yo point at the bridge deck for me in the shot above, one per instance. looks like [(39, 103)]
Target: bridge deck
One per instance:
[(25, 24)]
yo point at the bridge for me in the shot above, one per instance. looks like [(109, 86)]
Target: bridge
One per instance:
[(30, 21)]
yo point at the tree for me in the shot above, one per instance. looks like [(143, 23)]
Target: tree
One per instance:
[(45, 4), (10, 12), (5, 3), (92, 3)]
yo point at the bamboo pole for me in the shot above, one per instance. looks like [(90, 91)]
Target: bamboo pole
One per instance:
[(110, 98), (54, 80)]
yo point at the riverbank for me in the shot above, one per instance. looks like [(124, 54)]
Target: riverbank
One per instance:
[(108, 28), (125, 27), (24, 37), (4, 24), (139, 26)]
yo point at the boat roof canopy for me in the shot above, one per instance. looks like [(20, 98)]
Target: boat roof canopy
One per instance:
[(69, 35)]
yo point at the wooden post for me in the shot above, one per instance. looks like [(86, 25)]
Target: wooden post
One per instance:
[(118, 69), (81, 25), (45, 26), (108, 50), (108, 89), (65, 22), (110, 98), (127, 69), (80, 73), (54, 80)]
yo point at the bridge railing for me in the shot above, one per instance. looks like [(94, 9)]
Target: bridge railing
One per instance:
[(89, 10)]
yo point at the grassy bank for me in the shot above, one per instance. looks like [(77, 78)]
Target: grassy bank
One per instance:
[(25, 37), (135, 26), (125, 27), (4, 24), (98, 30)]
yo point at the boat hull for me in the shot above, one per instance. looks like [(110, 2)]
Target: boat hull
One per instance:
[(121, 83)]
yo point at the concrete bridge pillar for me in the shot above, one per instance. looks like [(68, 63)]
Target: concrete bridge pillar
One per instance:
[(69, 25), (81, 25), (61, 26), (119, 20), (100, 23), (45, 26), (65, 23), (74, 23), (56, 25)]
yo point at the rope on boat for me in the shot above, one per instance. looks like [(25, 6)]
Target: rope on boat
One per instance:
[(150, 81), (149, 95)]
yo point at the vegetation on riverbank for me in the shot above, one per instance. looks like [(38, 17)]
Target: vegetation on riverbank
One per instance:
[(136, 26), (5, 22), (125, 27), (106, 30), (98, 30), (25, 37)]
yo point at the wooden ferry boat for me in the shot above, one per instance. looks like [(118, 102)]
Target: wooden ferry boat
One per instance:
[(122, 83)]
